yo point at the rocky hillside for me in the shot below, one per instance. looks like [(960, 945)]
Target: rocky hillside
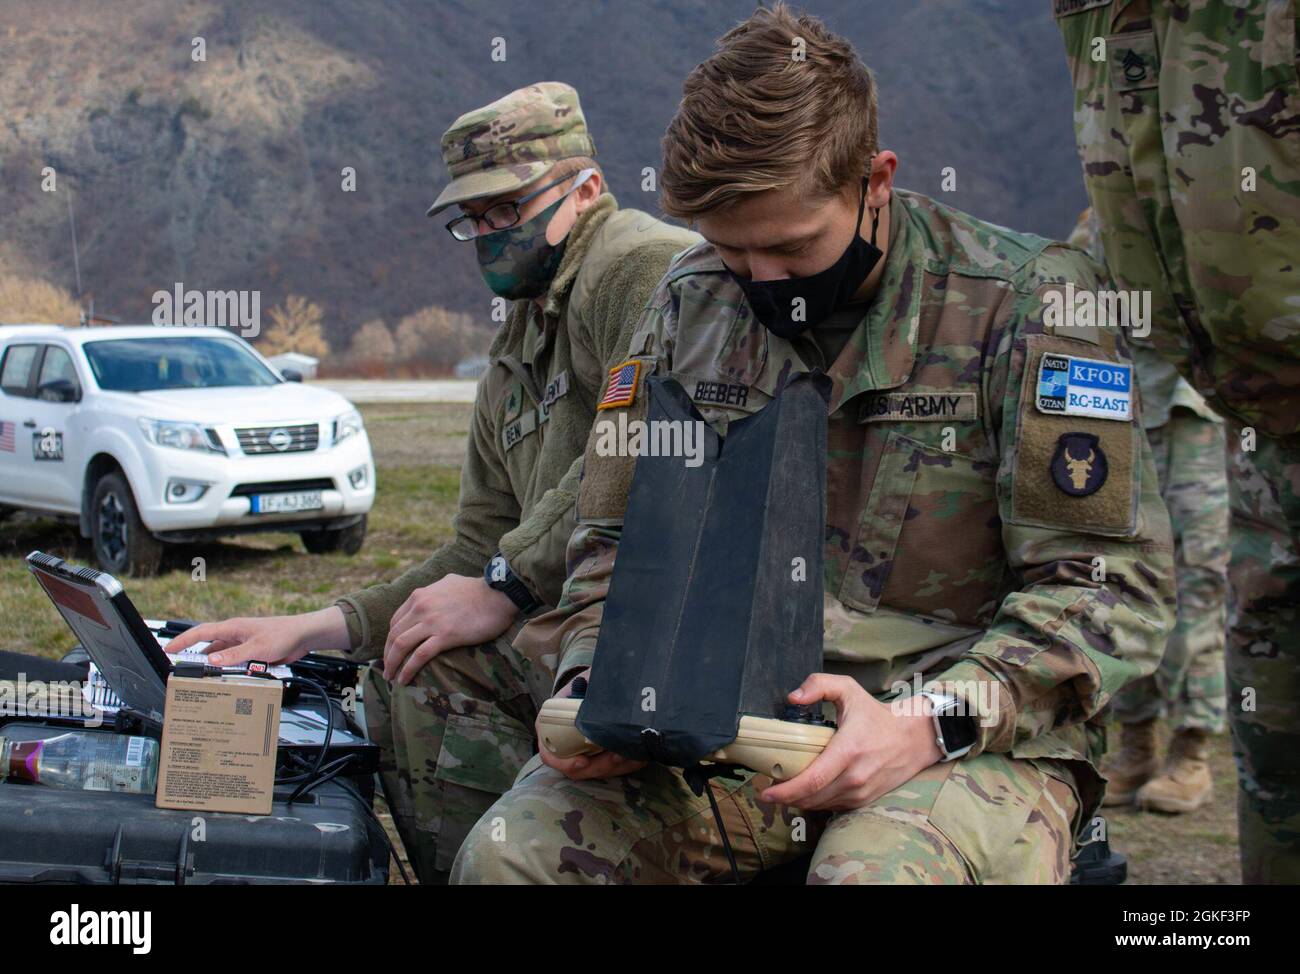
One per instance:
[(226, 173)]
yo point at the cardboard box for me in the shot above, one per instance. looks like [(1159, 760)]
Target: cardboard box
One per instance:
[(219, 743)]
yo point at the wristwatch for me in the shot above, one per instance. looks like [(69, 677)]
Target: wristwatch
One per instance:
[(498, 575), (954, 732)]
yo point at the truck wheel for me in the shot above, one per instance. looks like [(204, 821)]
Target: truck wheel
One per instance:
[(122, 543), (347, 540)]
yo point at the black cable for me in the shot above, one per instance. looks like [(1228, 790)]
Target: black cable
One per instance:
[(699, 779), (328, 773), (329, 731), (331, 772), (365, 806), (722, 829), (320, 773)]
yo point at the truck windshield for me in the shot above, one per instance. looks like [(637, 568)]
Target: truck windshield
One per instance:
[(149, 364)]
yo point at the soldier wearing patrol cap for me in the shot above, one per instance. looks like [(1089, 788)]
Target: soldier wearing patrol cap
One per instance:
[(449, 700), (1185, 119), (995, 530)]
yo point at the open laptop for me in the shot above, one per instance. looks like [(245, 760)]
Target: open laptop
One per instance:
[(129, 654)]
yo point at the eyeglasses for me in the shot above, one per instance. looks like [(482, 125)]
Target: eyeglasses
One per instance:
[(503, 216)]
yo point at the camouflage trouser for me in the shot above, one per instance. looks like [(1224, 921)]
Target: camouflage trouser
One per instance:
[(1264, 656), (987, 819), (451, 743), (1188, 687)]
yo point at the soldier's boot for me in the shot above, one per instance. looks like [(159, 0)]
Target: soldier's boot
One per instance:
[(1185, 784), (1134, 765)]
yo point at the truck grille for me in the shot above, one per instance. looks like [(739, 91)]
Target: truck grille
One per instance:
[(281, 486), (279, 439)]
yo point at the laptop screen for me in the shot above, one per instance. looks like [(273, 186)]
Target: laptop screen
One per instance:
[(97, 610)]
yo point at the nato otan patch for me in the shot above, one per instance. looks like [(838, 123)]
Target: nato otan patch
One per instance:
[(1073, 386), (1079, 466), (621, 390)]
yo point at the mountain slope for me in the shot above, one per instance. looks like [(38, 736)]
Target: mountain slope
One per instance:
[(227, 173)]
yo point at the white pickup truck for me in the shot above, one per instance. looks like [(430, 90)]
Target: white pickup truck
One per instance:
[(150, 435)]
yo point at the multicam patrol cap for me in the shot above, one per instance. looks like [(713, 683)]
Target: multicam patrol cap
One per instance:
[(512, 142)]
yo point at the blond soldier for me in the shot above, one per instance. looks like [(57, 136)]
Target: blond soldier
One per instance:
[(994, 525)]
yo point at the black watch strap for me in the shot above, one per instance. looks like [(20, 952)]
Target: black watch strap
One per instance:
[(498, 575)]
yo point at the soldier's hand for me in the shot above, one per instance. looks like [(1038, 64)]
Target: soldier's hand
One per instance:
[(875, 749), (456, 610), (273, 639), (602, 764)]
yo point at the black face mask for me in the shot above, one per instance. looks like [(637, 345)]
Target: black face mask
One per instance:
[(773, 302)]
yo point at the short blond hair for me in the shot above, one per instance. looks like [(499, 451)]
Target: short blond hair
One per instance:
[(783, 102)]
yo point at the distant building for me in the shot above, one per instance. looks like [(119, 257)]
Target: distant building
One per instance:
[(304, 365), (472, 367)]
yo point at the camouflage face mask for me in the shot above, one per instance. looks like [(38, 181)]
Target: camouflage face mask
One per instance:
[(518, 262)]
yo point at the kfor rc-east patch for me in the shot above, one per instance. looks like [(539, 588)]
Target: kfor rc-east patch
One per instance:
[(1072, 386)]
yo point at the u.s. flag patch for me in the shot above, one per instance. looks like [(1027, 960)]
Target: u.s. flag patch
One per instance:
[(621, 390)]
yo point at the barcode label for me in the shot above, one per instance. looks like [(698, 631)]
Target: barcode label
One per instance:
[(244, 706), (135, 752)]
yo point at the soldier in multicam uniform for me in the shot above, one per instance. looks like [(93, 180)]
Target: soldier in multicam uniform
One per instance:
[(1187, 117), (987, 533), (1187, 440), (453, 704)]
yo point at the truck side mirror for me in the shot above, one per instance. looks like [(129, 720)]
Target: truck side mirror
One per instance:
[(59, 390)]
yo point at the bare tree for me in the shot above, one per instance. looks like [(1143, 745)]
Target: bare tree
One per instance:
[(438, 338), (373, 350), (295, 327)]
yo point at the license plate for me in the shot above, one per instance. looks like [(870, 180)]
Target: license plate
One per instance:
[(303, 500)]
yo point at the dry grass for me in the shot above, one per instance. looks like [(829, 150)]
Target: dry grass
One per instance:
[(27, 300), (1199, 847)]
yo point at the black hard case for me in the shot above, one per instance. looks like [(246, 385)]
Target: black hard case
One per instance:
[(53, 836), (50, 835)]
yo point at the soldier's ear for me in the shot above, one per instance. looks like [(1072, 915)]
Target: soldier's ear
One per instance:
[(589, 192), (880, 188)]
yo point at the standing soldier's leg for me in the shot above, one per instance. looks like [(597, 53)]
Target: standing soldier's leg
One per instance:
[(1138, 704), (1264, 655), (452, 743), (1190, 677)]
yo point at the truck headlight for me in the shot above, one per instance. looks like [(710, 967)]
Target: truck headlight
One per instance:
[(348, 424), (180, 436)]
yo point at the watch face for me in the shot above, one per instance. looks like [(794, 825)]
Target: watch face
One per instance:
[(958, 731)]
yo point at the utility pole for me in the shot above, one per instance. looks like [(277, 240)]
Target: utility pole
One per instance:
[(76, 259)]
